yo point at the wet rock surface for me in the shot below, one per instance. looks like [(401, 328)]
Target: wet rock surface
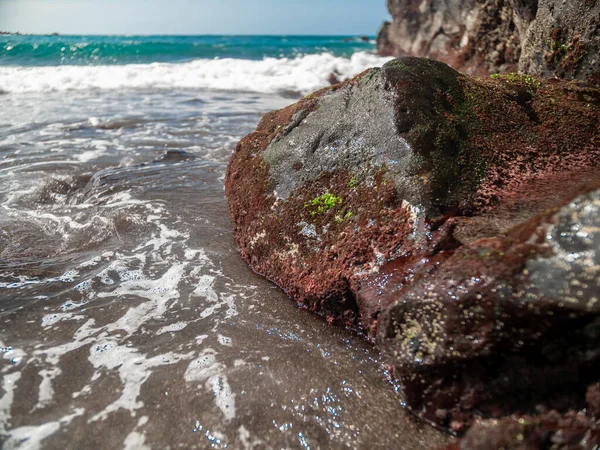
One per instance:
[(539, 37), (503, 325), (574, 430), (451, 220)]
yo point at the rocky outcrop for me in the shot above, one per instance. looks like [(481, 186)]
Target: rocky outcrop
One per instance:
[(474, 37), (538, 37), (452, 220)]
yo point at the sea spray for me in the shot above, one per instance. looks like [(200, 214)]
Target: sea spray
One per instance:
[(302, 74)]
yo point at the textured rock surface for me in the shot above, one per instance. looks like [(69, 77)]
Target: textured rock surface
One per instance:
[(474, 37), (574, 430), (539, 37), (454, 220), (502, 325)]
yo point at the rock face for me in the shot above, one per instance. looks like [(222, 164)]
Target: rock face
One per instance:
[(538, 37), (453, 220)]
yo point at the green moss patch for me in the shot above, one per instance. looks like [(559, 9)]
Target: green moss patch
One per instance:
[(515, 78), (324, 203)]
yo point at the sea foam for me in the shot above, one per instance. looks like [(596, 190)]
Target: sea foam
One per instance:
[(302, 74)]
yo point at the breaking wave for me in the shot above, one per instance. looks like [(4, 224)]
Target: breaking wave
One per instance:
[(302, 74)]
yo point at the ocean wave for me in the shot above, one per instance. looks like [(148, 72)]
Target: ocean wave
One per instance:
[(302, 74), (109, 50)]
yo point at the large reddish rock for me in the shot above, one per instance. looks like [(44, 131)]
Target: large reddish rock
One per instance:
[(453, 220)]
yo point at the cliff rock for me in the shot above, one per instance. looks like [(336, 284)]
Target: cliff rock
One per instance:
[(539, 37)]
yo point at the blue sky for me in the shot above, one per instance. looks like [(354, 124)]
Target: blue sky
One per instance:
[(193, 16)]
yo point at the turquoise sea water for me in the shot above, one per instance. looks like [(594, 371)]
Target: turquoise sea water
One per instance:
[(84, 50)]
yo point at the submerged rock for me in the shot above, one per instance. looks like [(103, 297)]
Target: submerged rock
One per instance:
[(539, 37), (451, 219)]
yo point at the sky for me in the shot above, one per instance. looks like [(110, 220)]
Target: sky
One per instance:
[(338, 17)]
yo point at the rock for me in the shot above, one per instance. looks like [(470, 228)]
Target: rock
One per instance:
[(452, 220), (383, 44), (503, 324), (333, 78), (574, 430), (539, 37), (476, 37), (563, 41), (593, 400)]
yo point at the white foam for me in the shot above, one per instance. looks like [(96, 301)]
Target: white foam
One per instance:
[(154, 273), (304, 74), (172, 328), (90, 155), (205, 288), (224, 340), (133, 368), (14, 355), (69, 305), (247, 440), (135, 440), (31, 437), (51, 319), (224, 397), (159, 291), (46, 393), (201, 338), (206, 368), (9, 385), (203, 367)]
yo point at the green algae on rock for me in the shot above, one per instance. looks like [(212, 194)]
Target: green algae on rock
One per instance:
[(414, 182)]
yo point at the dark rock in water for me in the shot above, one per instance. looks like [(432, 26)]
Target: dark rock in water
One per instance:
[(289, 93), (333, 78), (539, 37), (453, 220), (174, 156)]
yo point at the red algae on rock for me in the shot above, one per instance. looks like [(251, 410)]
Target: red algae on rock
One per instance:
[(452, 220)]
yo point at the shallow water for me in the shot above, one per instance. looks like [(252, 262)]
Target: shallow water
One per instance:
[(128, 319)]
